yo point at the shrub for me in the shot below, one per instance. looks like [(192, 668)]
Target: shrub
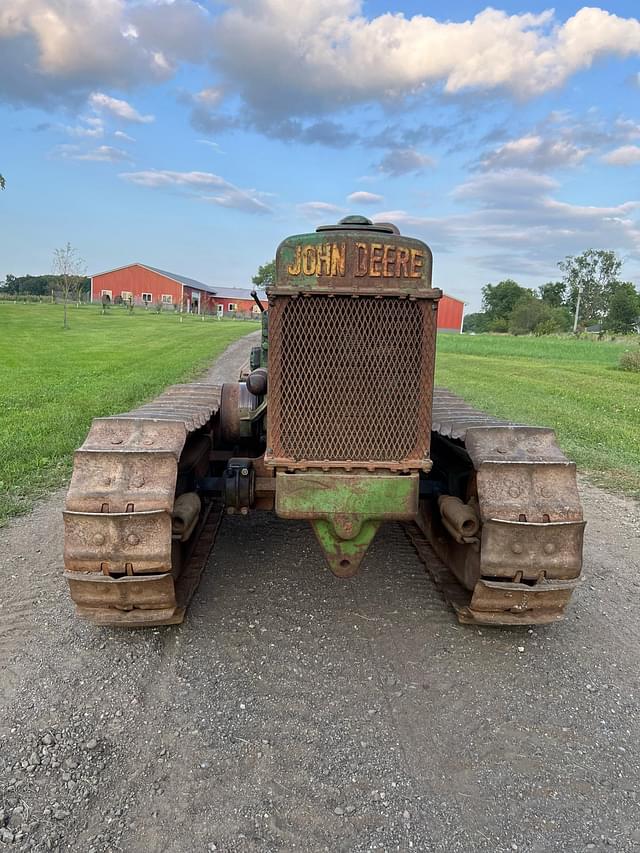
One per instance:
[(630, 360)]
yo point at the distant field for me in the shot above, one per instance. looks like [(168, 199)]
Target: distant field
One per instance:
[(53, 382), (571, 385)]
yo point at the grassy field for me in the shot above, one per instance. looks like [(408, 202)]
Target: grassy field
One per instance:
[(571, 385), (53, 382)]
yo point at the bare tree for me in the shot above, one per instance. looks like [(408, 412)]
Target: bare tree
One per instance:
[(71, 270)]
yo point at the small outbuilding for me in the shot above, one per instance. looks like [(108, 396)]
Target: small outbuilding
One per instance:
[(450, 314)]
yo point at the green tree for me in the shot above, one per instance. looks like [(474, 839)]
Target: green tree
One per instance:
[(532, 315), (71, 270), (590, 279), (38, 285), (623, 314), (553, 293), (266, 275), (527, 313), (3, 183), (478, 322), (499, 300)]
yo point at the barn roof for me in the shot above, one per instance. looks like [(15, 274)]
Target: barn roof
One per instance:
[(181, 279), (233, 293), (454, 298)]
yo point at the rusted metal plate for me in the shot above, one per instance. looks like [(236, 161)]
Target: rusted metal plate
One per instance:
[(520, 598), (143, 600), (146, 592), (191, 420), (350, 381), (542, 491), (136, 434), (512, 547), (512, 444), (493, 602), (147, 480), (532, 518), (360, 259), (110, 542)]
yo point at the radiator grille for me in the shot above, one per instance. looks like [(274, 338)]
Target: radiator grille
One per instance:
[(350, 379)]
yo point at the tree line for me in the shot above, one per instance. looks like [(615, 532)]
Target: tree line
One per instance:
[(39, 285), (590, 293)]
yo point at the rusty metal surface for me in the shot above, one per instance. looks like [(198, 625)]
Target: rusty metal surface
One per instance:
[(354, 257), (491, 602), (512, 548), (520, 599), (528, 555), (121, 563), (145, 600), (117, 543), (542, 491), (350, 380), (145, 478)]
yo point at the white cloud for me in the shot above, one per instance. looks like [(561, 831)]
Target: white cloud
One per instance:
[(91, 127), (120, 134), (203, 185), (516, 224), (101, 154), (534, 151), (210, 144), (59, 50), (289, 58), (308, 56), (364, 197), (118, 108), (626, 155), (209, 97), (404, 161), (317, 210)]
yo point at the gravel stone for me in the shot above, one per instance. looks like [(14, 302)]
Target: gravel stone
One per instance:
[(472, 745)]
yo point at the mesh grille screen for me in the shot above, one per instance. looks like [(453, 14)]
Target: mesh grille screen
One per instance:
[(350, 379)]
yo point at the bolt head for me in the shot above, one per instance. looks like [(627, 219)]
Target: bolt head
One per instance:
[(133, 539), (516, 548), (98, 539), (549, 548)]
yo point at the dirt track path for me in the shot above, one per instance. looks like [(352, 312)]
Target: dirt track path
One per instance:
[(293, 711)]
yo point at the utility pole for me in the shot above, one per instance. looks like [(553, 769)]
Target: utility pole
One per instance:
[(575, 319)]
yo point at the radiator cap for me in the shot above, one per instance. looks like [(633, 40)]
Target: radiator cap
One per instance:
[(360, 223)]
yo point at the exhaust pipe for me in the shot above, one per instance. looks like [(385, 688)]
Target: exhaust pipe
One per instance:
[(459, 518)]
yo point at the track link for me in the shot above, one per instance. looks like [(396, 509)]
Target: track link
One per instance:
[(525, 563), (122, 563)]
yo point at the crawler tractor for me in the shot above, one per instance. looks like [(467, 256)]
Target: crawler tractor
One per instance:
[(335, 420)]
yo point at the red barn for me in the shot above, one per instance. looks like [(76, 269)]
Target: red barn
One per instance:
[(234, 300), (450, 314), (146, 286)]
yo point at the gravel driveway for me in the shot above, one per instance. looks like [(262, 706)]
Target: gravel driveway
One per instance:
[(296, 711)]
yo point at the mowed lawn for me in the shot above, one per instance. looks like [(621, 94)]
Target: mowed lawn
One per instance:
[(571, 385), (53, 382)]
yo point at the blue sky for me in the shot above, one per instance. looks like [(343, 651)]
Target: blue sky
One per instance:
[(195, 136)]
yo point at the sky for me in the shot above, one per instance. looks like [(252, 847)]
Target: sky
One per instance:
[(195, 136)]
